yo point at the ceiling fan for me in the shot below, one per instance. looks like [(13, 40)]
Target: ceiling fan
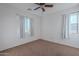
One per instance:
[(42, 6)]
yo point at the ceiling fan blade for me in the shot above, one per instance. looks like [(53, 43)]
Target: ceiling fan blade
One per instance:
[(48, 5), (40, 3), (43, 9), (37, 3), (36, 8)]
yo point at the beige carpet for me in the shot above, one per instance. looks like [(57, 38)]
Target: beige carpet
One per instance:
[(42, 48)]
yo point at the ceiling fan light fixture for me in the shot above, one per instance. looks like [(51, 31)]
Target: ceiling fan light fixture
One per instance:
[(41, 5)]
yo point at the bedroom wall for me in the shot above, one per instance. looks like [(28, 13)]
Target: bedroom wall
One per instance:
[(53, 25), (10, 27)]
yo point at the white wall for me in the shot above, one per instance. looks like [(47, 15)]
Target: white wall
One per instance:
[(53, 25), (10, 27)]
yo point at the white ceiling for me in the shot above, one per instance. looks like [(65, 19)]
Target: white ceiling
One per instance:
[(57, 7)]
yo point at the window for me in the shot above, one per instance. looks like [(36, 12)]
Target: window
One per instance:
[(72, 26), (73, 23), (25, 26)]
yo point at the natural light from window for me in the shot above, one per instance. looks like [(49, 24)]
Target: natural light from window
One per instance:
[(72, 26), (27, 25)]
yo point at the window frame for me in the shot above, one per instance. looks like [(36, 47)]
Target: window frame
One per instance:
[(66, 25), (24, 34)]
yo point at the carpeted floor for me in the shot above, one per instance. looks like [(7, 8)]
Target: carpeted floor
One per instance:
[(41, 48)]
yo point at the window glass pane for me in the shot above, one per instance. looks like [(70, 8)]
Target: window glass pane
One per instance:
[(27, 25), (73, 23)]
